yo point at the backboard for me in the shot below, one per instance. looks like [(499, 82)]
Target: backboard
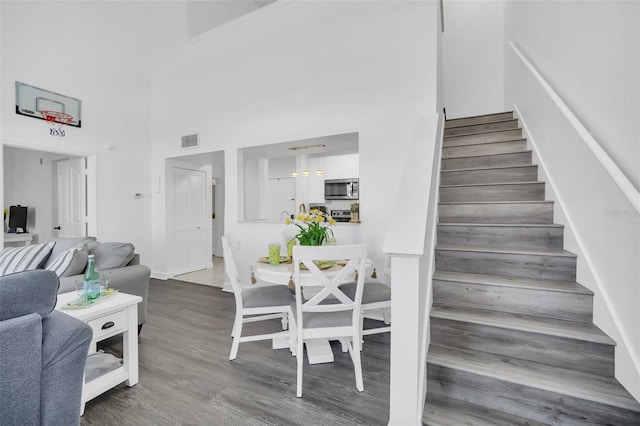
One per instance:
[(31, 101)]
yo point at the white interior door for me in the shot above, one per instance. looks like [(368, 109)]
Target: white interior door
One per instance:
[(189, 220), (70, 191)]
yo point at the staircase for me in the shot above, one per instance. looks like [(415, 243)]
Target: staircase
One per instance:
[(512, 338)]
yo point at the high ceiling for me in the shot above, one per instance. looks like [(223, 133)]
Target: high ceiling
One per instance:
[(204, 15)]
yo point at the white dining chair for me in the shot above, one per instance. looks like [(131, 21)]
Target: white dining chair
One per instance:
[(257, 304), (376, 296), (329, 313)]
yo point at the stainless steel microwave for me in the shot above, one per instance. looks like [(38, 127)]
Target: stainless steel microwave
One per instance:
[(342, 189)]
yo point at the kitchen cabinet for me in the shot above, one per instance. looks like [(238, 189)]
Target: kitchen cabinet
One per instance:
[(334, 167)]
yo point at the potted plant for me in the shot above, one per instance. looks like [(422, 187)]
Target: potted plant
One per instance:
[(314, 228), (355, 213)]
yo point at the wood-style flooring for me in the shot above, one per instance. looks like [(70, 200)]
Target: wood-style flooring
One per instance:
[(186, 377)]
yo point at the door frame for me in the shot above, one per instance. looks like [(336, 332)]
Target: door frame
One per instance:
[(91, 220)]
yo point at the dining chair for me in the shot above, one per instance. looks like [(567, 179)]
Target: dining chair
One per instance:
[(375, 296), (329, 313), (256, 304)]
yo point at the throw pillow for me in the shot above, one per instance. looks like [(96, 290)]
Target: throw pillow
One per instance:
[(64, 244), (70, 262), (113, 255), (18, 259)]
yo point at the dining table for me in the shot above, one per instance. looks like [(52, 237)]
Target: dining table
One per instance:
[(318, 350)]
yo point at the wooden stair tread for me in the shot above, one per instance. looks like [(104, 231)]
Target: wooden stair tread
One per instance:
[(484, 132), (485, 143), (443, 411), (451, 122), (477, 169), (492, 184), (506, 225), (525, 151), (506, 250), (551, 379), (548, 326), (497, 202), (518, 282)]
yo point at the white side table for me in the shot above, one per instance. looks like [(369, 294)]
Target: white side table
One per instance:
[(118, 314)]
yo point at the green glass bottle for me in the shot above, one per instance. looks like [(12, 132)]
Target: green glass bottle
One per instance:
[(91, 280)]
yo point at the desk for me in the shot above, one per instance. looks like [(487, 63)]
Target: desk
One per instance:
[(25, 238), (318, 350)]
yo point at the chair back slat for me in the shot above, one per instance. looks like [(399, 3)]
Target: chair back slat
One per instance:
[(330, 298)]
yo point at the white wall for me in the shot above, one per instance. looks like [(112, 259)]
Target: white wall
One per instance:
[(589, 52), (473, 57), (303, 70), (99, 52)]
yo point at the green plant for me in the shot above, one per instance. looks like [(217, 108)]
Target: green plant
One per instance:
[(314, 227), (355, 208)]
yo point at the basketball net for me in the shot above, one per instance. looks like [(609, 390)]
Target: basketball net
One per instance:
[(58, 121)]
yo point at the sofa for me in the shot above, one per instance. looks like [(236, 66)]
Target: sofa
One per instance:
[(42, 355), (67, 257)]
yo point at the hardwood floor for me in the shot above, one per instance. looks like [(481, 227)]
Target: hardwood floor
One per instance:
[(186, 377)]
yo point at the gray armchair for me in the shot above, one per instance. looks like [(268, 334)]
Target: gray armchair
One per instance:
[(42, 353)]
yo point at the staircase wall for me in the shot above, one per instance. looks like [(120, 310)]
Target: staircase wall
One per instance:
[(601, 225)]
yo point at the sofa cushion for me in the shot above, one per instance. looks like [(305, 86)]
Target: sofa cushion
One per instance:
[(18, 259), (70, 262), (112, 255)]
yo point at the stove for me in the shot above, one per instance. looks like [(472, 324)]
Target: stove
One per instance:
[(341, 215)]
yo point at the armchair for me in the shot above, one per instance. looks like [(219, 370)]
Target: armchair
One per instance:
[(42, 355)]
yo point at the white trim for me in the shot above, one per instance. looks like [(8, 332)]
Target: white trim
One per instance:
[(583, 247), (608, 164)]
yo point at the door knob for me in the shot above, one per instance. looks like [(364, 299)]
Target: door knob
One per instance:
[(57, 227)]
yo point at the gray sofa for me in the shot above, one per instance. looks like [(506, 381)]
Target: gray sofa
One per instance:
[(117, 259), (42, 355)]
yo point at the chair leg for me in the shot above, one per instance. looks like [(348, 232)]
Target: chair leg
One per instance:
[(345, 344), (357, 365), (299, 362), (285, 321), (293, 333), (237, 332)]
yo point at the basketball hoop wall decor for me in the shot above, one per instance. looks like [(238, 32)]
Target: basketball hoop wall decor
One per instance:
[(56, 109), (57, 120)]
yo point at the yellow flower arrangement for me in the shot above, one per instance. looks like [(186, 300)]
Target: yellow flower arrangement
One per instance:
[(314, 227)]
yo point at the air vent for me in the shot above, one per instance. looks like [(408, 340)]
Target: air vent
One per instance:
[(190, 141)]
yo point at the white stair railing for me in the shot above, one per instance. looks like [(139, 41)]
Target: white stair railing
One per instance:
[(409, 243)]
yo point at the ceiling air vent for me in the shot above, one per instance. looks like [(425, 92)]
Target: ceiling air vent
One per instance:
[(190, 141)]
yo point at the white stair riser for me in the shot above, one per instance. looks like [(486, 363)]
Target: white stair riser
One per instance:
[(502, 236), (456, 122), (587, 357), (550, 304), (484, 127), (520, 399), (484, 149), (478, 138), (498, 192), (502, 175), (562, 268), (496, 213), (509, 159)]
